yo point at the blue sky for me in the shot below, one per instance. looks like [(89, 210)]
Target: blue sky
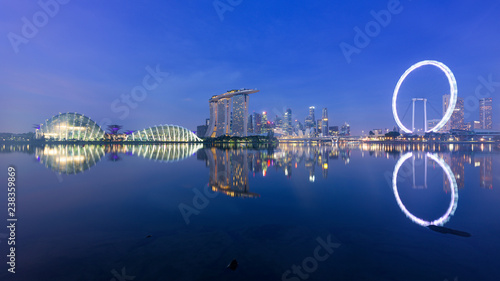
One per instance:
[(86, 55)]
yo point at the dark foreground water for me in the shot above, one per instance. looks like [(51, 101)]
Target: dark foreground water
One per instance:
[(184, 212)]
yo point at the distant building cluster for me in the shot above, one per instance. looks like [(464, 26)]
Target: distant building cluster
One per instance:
[(229, 117), (457, 121)]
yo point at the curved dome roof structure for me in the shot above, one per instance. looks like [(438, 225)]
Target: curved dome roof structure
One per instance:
[(164, 133), (70, 126)]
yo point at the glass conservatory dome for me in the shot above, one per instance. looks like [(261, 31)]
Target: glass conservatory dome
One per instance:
[(70, 126)]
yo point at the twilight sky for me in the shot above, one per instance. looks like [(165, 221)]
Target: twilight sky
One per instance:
[(94, 57)]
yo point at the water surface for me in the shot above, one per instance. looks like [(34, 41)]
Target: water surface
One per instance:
[(184, 212)]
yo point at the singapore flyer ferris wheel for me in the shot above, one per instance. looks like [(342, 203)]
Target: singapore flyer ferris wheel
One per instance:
[(451, 105)]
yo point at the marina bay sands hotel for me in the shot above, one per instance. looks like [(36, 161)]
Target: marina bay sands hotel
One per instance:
[(221, 122)]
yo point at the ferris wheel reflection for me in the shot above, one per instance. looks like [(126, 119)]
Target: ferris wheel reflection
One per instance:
[(435, 224)]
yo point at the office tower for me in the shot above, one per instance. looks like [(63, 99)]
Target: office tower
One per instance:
[(432, 123), (257, 123), (485, 113), (476, 125), (324, 122), (345, 130), (201, 131), (250, 124), (298, 126), (319, 127), (333, 130), (265, 125), (288, 128), (456, 121), (278, 121), (221, 119), (309, 122)]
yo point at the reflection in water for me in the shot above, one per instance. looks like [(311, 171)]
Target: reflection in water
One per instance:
[(452, 182), (485, 172), (230, 168), (229, 172), (457, 165), (69, 159), (164, 152), (73, 159)]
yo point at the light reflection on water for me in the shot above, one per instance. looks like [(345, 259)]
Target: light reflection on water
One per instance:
[(268, 200)]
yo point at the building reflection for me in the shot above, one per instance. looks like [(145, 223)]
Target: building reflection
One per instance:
[(230, 168), (485, 171), (228, 171), (456, 161), (69, 159), (74, 159), (163, 152)]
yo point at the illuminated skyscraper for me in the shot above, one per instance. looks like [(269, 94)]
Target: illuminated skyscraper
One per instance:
[(485, 113), (324, 123), (345, 130), (240, 113), (223, 117), (250, 124), (456, 121), (265, 126), (220, 113), (257, 123), (309, 122), (287, 124)]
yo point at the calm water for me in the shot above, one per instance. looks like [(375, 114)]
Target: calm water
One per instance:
[(85, 212)]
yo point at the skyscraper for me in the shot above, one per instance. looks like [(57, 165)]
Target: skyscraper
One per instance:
[(324, 122), (257, 123), (250, 124), (222, 119), (287, 124), (319, 128), (456, 121), (485, 113), (278, 121), (265, 126), (309, 122), (345, 130), (240, 113)]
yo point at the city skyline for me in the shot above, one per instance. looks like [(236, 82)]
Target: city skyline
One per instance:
[(167, 58)]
